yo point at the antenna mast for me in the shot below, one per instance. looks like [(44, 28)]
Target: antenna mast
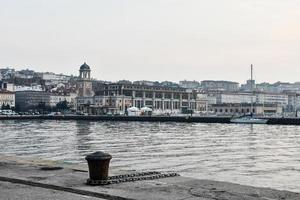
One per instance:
[(251, 86)]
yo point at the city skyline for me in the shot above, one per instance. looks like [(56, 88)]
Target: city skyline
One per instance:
[(157, 40), (138, 80)]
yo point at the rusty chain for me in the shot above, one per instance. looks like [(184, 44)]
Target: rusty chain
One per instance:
[(132, 177)]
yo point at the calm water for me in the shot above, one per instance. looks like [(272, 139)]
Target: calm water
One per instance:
[(259, 155)]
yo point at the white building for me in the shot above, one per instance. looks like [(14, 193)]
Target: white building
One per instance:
[(7, 86), (56, 98), (54, 79), (243, 97), (28, 88), (234, 98), (7, 98), (272, 98), (202, 102), (240, 109)]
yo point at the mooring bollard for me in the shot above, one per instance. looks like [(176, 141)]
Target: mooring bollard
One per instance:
[(98, 165)]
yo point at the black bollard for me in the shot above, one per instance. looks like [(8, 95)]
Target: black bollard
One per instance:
[(98, 165)]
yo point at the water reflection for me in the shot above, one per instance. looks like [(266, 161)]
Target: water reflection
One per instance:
[(83, 136)]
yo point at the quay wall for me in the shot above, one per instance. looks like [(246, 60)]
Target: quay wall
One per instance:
[(123, 118), (188, 119)]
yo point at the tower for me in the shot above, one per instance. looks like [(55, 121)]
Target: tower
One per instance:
[(84, 83)]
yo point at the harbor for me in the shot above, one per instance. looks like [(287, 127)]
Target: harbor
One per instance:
[(149, 100)]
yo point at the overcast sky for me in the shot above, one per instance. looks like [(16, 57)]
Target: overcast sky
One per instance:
[(154, 39)]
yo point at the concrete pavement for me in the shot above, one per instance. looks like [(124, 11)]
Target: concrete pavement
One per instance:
[(20, 179)]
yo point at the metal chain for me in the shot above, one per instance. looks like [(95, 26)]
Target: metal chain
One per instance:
[(132, 177)]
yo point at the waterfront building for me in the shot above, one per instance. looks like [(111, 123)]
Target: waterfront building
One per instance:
[(247, 97), (118, 97), (56, 98), (167, 99), (202, 102), (234, 97), (245, 108), (7, 98), (272, 98), (84, 83), (293, 102), (209, 85), (85, 93), (29, 99)]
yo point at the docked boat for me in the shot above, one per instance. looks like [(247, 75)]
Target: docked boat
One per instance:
[(248, 120)]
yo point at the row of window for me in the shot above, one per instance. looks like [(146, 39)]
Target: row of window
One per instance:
[(231, 110)]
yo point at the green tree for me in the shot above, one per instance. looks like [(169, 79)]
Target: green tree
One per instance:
[(7, 107), (63, 105)]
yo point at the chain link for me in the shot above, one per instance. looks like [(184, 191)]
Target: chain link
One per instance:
[(132, 177)]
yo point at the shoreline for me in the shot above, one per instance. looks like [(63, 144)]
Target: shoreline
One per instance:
[(184, 119)]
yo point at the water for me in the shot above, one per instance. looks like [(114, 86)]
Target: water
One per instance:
[(258, 155)]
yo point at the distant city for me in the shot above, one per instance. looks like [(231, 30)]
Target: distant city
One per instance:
[(27, 91)]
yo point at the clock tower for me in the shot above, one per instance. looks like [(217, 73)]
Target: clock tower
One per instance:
[(84, 83)]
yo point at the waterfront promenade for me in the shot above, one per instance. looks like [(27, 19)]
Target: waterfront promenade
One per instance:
[(25, 179)]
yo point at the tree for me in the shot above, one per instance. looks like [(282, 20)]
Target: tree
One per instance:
[(62, 105), (41, 107), (7, 107)]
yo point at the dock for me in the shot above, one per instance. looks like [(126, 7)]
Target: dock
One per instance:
[(37, 179)]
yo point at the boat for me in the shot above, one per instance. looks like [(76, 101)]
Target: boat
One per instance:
[(249, 119)]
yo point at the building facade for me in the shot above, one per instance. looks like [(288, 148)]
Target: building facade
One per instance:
[(26, 100), (243, 109), (122, 96), (56, 98), (7, 98), (84, 83), (118, 97), (209, 85)]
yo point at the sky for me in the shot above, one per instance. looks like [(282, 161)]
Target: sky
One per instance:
[(154, 39)]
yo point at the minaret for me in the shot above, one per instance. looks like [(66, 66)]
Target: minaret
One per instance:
[(84, 83)]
